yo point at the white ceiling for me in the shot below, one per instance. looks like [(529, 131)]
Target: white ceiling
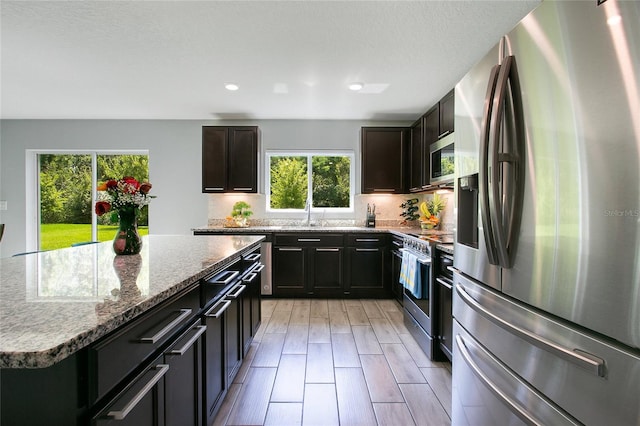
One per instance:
[(291, 59)]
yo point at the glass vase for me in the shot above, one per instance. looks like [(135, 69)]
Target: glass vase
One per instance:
[(127, 240)]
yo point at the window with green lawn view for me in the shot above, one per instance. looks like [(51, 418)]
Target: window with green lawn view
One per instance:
[(328, 177), (67, 191)]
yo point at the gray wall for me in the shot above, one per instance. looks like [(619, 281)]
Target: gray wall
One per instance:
[(174, 148)]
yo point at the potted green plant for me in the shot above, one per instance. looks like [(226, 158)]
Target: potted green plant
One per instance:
[(240, 214)]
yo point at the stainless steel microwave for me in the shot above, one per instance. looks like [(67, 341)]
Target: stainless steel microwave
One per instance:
[(442, 160)]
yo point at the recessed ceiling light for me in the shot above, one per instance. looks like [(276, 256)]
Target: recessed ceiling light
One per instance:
[(356, 86), (231, 86)]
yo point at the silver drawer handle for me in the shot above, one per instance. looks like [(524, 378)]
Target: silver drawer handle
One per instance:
[(239, 288), (444, 134), (259, 267), (367, 240), (252, 257), (308, 240), (121, 414), (242, 189), (200, 329), (229, 276), (249, 277), (383, 189), (220, 311), (214, 189), (466, 356), (444, 283), (327, 249), (184, 313), (576, 356), (361, 249), (289, 249)]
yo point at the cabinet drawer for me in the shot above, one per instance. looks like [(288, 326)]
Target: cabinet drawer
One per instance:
[(314, 240), (367, 240), (117, 356)]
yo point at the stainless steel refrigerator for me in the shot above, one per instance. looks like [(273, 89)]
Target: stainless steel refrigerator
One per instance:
[(547, 251)]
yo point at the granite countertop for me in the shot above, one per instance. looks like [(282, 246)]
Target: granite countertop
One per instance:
[(288, 228), (398, 230), (54, 303)]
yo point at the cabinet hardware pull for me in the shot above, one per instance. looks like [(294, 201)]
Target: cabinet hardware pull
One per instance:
[(444, 134), (252, 257), (184, 313), (121, 414), (361, 249), (367, 240), (214, 189), (249, 277), (230, 276), (576, 356), (239, 288), (200, 329), (289, 249), (220, 311), (259, 267), (242, 189), (327, 249), (444, 283), (308, 240), (383, 189)]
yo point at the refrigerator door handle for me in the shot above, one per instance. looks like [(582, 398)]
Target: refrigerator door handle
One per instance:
[(483, 170), (506, 163), (515, 407), (576, 356)]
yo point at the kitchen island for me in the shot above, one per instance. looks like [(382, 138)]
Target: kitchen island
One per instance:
[(57, 306)]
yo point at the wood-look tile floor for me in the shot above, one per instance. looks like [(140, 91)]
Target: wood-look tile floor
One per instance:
[(336, 362)]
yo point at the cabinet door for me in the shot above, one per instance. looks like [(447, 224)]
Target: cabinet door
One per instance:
[(445, 326), (384, 152), (139, 404), (366, 272), (243, 159), (447, 112), (417, 157), (326, 271), (233, 333), (214, 352), (214, 158), (183, 381), (289, 271), (431, 133)]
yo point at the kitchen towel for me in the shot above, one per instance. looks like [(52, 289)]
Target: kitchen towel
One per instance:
[(410, 273)]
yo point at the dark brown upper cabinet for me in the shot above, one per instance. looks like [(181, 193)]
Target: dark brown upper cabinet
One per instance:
[(229, 159), (447, 112), (417, 153), (384, 159)]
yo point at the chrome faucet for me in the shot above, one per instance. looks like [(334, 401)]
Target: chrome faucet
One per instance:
[(307, 207)]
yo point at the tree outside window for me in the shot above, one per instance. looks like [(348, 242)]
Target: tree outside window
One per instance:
[(293, 176)]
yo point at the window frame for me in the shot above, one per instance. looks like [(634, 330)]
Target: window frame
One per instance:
[(33, 181), (309, 154)]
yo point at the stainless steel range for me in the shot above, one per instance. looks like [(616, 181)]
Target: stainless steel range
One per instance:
[(419, 313)]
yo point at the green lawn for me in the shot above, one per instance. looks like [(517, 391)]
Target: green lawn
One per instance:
[(60, 235)]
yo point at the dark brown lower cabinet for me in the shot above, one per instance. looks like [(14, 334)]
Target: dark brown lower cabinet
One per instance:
[(308, 271), (214, 368), (367, 266), (183, 381), (234, 348), (289, 271), (326, 271), (140, 403)]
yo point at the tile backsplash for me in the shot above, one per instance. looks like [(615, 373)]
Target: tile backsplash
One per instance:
[(387, 210)]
